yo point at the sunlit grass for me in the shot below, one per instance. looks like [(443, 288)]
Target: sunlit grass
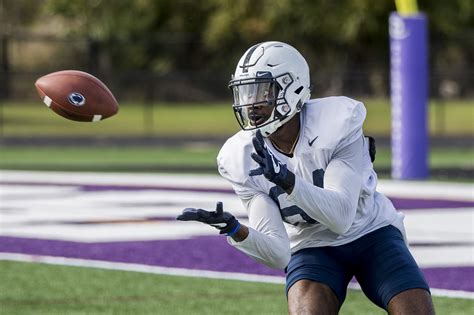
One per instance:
[(202, 119), (28, 288)]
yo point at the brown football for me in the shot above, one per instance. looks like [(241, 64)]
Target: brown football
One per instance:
[(77, 95)]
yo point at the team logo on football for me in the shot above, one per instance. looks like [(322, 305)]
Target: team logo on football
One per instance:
[(76, 99)]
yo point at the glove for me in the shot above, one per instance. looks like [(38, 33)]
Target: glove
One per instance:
[(270, 166), (225, 222)]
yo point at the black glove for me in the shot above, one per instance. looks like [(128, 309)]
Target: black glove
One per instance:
[(270, 166), (225, 222)]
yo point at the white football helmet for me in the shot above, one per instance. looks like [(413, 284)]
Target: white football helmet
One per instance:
[(271, 80)]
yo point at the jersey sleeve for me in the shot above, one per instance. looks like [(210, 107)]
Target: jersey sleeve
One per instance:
[(234, 164), (268, 241), (335, 205)]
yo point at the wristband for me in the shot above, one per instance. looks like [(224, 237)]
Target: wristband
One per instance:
[(234, 230)]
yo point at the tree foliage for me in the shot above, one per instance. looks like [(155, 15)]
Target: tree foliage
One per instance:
[(209, 27), (165, 36)]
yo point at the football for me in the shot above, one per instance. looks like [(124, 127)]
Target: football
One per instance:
[(77, 95)]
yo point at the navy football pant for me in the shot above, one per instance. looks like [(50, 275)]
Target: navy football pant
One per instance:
[(380, 261)]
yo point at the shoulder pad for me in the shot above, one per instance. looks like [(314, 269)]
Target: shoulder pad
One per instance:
[(336, 120), (234, 161)]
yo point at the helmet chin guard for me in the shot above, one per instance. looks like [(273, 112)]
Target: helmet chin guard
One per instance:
[(270, 85)]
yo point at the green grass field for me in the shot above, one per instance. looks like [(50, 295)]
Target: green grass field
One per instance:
[(29, 288), (34, 120), (164, 119)]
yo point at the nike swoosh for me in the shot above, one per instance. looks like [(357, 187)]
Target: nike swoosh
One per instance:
[(276, 166), (261, 74), (312, 141)]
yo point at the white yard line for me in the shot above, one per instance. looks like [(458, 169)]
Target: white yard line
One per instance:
[(185, 272), (407, 189), (128, 179), (195, 273)]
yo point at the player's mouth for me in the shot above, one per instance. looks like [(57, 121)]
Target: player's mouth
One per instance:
[(256, 119)]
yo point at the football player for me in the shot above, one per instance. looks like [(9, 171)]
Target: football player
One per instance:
[(303, 170)]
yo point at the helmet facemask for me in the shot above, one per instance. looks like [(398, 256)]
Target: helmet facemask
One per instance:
[(259, 103)]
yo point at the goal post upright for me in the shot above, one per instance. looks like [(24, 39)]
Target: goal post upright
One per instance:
[(409, 91)]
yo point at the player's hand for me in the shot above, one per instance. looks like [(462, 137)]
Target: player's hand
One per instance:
[(225, 222), (270, 166)]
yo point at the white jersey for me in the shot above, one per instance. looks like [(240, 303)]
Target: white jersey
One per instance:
[(334, 200)]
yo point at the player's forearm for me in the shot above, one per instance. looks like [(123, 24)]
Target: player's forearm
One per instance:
[(270, 250), (335, 205), (332, 209), (265, 239)]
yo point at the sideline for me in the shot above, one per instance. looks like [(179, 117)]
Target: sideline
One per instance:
[(73, 262)]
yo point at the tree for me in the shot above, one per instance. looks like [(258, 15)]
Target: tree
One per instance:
[(206, 37)]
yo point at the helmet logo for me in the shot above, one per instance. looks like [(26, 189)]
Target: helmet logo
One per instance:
[(263, 74), (76, 99)]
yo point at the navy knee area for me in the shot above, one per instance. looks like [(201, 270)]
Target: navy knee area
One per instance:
[(316, 265), (397, 270)]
